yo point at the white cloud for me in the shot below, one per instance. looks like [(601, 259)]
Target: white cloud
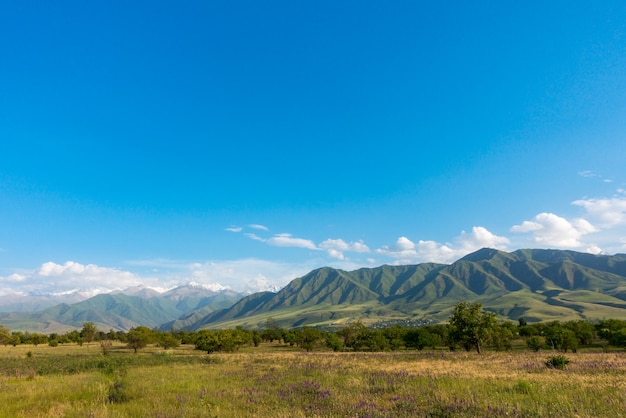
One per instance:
[(241, 275), (588, 174), (479, 238), (234, 229), (605, 212), (56, 278), (15, 278), (335, 254), (405, 251), (286, 240), (337, 247), (257, 226), (248, 274), (254, 237), (552, 230)]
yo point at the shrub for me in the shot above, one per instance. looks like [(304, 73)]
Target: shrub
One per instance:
[(557, 362)]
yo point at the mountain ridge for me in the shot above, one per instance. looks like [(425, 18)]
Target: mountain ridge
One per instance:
[(536, 282), (539, 284)]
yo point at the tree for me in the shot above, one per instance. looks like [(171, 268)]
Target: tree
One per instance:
[(569, 341), (167, 341), (536, 343), (5, 335), (558, 336), (89, 331), (139, 337), (272, 331), (395, 336), (37, 339), (256, 338), (207, 341), (333, 341), (502, 335), (583, 330), (420, 338), (308, 337), (470, 327), (354, 335), (613, 331)]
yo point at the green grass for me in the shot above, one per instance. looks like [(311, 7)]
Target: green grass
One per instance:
[(276, 380)]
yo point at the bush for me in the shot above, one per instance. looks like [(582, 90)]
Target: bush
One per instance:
[(557, 362)]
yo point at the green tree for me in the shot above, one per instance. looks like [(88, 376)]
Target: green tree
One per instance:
[(568, 340), (470, 327), (272, 331), (73, 336), (333, 341), (502, 335), (559, 337), (420, 338), (584, 331), (308, 338), (207, 341), (166, 340), (89, 331), (613, 331), (227, 340), (5, 335), (536, 343), (256, 338), (139, 337), (354, 335), (37, 339), (395, 336), (17, 338)]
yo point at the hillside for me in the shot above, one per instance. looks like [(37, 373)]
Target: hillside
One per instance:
[(534, 284), (122, 310)]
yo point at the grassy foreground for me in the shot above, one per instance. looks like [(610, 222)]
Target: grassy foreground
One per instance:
[(73, 381)]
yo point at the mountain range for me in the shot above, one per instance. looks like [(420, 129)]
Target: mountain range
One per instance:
[(122, 310), (530, 283)]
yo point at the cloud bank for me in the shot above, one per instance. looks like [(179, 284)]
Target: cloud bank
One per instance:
[(405, 251), (600, 227), (53, 278)]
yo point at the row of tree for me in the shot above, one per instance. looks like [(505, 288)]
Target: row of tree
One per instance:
[(469, 328)]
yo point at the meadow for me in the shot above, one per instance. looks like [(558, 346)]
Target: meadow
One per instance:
[(275, 380)]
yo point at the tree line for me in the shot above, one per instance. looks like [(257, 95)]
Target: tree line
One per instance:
[(469, 328)]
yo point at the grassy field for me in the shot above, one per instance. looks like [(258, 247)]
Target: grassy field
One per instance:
[(276, 381)]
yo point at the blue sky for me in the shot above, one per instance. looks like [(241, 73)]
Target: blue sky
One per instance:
[(244, 144)]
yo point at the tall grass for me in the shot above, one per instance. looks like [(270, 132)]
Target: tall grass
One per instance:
[(278, 382)]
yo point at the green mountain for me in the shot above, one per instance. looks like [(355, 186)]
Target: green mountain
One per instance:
[(121, 311), (534, 284)]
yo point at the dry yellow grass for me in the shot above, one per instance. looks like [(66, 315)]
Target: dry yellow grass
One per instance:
[(267, 382)]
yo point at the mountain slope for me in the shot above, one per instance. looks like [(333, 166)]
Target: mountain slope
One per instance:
[(121, 311), (536, 284)]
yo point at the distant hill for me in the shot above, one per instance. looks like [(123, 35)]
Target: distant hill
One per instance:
[(122, 310), (534, 284)]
